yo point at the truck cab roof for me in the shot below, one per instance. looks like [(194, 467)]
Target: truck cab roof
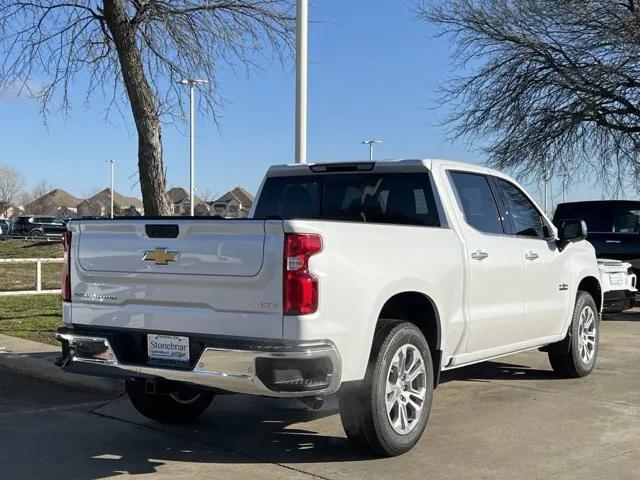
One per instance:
[(397, 165)]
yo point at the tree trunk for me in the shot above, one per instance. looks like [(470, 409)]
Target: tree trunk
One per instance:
[(143, 106)]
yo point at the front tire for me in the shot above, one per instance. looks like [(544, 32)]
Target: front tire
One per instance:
[(387, 412), (584, 340), (183, 405)]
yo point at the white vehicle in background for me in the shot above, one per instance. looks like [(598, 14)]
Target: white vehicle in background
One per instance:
[(618, 285), (365, 279)]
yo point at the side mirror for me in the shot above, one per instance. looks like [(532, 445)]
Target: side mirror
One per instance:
[(571, 231)]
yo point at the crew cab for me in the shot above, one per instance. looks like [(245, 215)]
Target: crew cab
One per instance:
[(365, 279)]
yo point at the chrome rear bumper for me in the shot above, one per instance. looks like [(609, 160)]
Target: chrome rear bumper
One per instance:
[(231, 370)]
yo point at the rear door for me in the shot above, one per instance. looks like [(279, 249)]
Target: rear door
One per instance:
[(547, 273), (52, 226), (495, 266)]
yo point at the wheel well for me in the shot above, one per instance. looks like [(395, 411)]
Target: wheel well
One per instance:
[(419, 309), (592, 286)]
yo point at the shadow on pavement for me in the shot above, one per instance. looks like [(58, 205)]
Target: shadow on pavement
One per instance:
[(498, 371), (632, 315)]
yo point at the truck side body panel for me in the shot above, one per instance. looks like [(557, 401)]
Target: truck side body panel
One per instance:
[(361, 267)]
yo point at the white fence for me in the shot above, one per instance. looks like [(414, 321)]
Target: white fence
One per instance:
[(38, 262)]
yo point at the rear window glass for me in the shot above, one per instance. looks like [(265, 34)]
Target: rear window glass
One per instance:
[(599, 217), (396, 198)]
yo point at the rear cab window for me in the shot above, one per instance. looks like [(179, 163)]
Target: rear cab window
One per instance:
[(609, 216), (387, 198), (598, 216)]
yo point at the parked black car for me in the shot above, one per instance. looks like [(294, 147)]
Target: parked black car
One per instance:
[(38, 226), (5, 228), (613, 227)]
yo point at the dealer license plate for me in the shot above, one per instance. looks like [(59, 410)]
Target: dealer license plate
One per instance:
[(169, 348), (615, 278)]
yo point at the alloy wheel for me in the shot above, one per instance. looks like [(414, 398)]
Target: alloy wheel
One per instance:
[(587, 335), (405, 390)]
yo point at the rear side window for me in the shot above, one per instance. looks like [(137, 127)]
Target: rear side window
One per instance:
[(477, 202), (626, 219), (396, 198), (524, 218)]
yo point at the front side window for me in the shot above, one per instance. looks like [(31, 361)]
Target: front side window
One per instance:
[(393, 198), (477, 202), (521, 214)]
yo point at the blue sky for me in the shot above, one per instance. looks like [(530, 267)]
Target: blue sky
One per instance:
[(374, 71)]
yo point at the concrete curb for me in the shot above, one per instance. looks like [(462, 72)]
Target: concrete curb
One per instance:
[(37, 360)]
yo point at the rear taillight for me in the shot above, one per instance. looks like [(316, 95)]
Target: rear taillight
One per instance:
[(630, 271), (300, 286), (65, 274)]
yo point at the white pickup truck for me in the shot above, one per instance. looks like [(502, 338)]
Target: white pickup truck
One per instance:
[(365, 279)]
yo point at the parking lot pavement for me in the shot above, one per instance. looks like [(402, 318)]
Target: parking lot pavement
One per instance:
[(510, 418)]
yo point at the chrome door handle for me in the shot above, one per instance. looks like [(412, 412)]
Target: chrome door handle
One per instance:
[(531, 255), (479, 255)]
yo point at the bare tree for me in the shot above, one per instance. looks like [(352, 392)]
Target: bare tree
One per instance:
[(549, 79), (136, 49), (41, 189), (208, 195), (11, 183), (39, 203)]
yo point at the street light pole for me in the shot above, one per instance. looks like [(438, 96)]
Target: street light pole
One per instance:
[(302, 22), (371, 143), (192, 82), (546, 183), (112, 162)]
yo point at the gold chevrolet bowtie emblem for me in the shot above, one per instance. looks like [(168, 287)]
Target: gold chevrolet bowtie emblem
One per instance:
[(161, 256)]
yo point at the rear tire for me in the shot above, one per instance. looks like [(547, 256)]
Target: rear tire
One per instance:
[(584, 340), (36, 234), (387, 412), (184, 405)]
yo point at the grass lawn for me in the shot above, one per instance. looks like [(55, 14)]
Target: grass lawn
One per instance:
[(15, 276), (30, 249), (35, 317), (22, 276)]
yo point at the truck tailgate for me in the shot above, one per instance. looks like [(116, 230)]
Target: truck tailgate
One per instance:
[(215, 248), (214, 277)]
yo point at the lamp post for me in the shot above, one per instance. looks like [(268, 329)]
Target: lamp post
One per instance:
[(371, 143), (302, 21), (192, 82), (112, 162), (545, 179)]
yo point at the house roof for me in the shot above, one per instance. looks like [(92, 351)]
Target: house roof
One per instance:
[(57, 197), (178, 195), (120, 200), (244, 195), (238, 194)]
